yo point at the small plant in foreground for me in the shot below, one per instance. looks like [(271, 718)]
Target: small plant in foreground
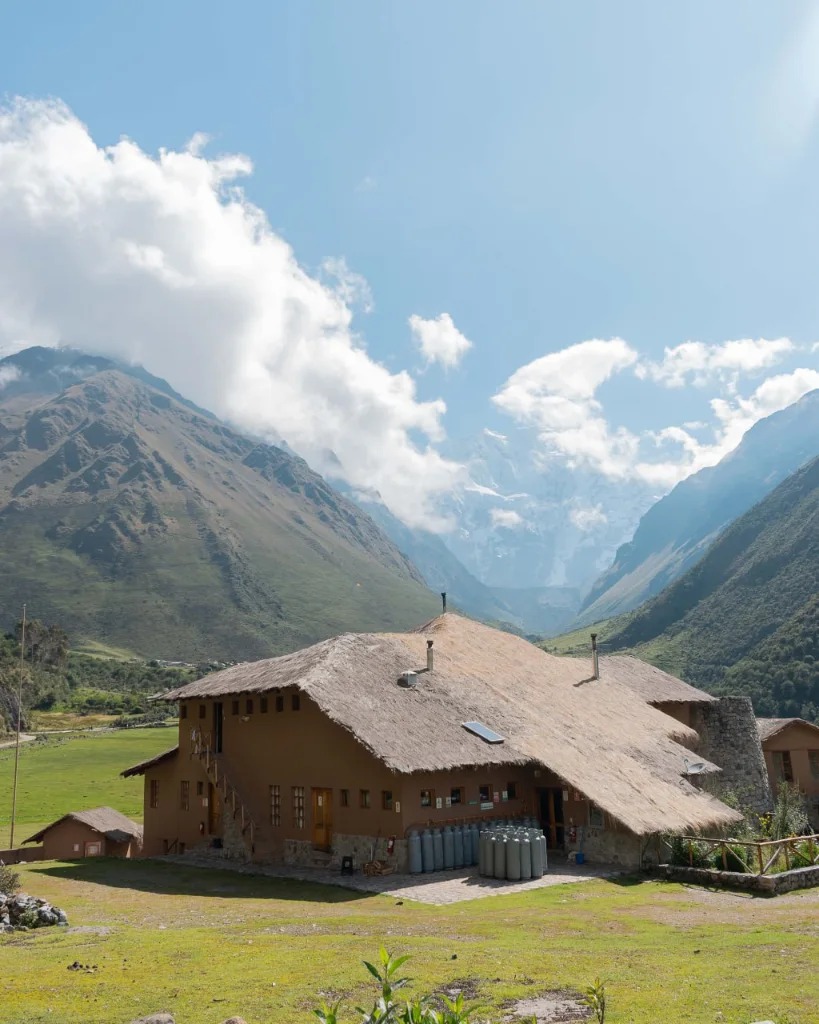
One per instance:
[(595, 998), (9, 880)]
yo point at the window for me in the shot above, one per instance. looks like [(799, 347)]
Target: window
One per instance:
[(200, 788), (427, 797), (275, 805), (298, 806), (783, 766), (596, 819), (364, 798), (183, 710), (154, 793), (344, 797), (511, 790), (386, 799), (202, 710), (279, 702), (184, 795), (813, 758), (456, 796), (263, 705), (485, 794), (295, 702), (234, 707), (249, 707)]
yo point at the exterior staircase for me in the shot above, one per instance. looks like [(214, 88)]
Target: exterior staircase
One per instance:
[(232, 802)]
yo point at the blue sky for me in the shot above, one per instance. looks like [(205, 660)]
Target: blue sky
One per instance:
[(544, 173)]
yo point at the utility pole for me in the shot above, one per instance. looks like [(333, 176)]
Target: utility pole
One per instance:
[(19, 716)]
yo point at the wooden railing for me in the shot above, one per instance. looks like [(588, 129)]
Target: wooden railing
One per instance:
[(214, 769), (761, 856)]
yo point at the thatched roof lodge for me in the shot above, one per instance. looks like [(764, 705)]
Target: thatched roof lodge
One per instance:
[(99, 832), (594, 755)]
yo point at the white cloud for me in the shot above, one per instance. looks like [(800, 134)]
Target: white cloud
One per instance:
[(697, 363), (164, 261), (556, 395), (439, 340), (792, 94), (506, 518), (351, 288), (588, 518), (495, 435), (8, 374)]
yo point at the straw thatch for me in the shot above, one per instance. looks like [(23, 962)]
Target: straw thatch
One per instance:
[(599, 736), (770, 727), (104, 820), (650, 682), (143, 766)]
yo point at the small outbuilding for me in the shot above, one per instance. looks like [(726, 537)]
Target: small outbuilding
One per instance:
[(101, 832), (791, 748)]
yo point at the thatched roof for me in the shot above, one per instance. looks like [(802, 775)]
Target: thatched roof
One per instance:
[(599, 736), (143, 766), (770, 727), (104, 820), (650, 682)]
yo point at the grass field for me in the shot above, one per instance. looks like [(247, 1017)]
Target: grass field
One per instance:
[(74, 772), (207, 944)]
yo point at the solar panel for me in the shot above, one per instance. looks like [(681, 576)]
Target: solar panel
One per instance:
[(483, 731)]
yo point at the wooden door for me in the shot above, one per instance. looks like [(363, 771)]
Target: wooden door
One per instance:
[(214, 810), (218, 721), (323, 819), (551, 816), (93, 848)]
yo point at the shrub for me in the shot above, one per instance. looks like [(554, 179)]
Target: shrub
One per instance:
[(688, 853), (734, 859), (9, 880)]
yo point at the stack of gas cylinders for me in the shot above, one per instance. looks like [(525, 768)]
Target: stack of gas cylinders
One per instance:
[(501, 849)]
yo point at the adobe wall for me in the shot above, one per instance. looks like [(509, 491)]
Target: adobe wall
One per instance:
[(67, 840), (729, 737)]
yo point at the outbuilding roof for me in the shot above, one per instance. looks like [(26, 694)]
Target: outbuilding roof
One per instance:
[(599, 735), (143, 766), (770, 727), (105, 820)]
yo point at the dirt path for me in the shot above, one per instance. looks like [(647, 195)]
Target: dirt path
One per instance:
[(25, 737)]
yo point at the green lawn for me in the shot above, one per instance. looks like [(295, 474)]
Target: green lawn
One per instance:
[(208, 944), (75, 772)]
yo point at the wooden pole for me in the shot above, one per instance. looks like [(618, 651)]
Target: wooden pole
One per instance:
[(17, 744)]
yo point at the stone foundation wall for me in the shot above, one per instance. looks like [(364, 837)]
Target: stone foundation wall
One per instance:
[(773, 885), (729, 738), (234, 846), (300, 852), (604, 846)]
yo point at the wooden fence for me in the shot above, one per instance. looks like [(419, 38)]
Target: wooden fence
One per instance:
[(759, 858)]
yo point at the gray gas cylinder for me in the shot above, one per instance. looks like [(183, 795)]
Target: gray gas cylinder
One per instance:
[(416, 861), (449, 848), (438, 849), (459, 846), (427, 854), (513, 859), (500, 857), (538, 866), (474, 838), (485, 866), (525, 857)]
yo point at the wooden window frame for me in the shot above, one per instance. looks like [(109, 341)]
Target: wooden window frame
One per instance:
[(203, 711), (364, 801), (200, 788), (263, 705), (387, 802), (488, 788), (234, 707), (153, 793), (276, 806), (511, 790), (279, 702), (249, 706), (453, 800), (183, 710), (295, 702), (184, 795), (344, 798), (298, 807), (430, 798)]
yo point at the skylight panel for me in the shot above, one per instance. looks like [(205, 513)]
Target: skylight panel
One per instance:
[(484, 732)]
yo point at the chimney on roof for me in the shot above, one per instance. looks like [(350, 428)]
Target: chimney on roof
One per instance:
[(595, 658), (443, 600), (429, 655)]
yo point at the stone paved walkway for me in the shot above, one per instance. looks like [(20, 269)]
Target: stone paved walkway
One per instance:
[(437, 888)]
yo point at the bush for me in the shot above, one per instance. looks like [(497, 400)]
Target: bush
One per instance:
[(9, 880), (688, 853), (734, 860)]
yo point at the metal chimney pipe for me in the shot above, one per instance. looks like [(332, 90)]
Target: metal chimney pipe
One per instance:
[(595, 658), (443, 599), (429, 655)]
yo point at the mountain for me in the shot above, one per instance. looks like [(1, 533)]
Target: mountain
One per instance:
[(675, 532), (746, 617), (131, 517)]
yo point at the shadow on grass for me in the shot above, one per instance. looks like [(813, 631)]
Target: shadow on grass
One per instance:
[(182, 880)]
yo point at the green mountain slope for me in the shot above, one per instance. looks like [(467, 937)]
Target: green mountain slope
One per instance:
[(134, 519), (744, 619)]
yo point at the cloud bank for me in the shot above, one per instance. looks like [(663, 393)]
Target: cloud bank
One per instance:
[(439, 340), (163, 260)]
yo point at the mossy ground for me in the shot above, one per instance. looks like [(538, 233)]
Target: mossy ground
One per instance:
[(208, 944)]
